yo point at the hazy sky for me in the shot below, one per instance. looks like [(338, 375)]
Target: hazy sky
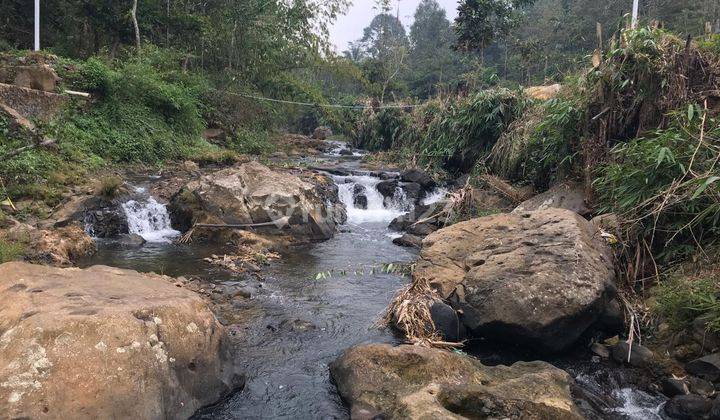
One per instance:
[(350, 27)]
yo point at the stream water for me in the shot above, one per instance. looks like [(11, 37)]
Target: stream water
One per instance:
[(296, 324)]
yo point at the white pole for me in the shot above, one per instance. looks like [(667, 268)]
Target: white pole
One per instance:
[(636, 5), (37, 25)]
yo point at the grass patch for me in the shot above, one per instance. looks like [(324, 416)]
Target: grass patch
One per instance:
[(10, 251), (690, 293)]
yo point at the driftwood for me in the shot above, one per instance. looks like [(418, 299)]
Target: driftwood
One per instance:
[(281, 223), (47, 143)]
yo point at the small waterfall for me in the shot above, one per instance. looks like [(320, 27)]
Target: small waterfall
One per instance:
[(435, 196), (149, 219), (378, 208)]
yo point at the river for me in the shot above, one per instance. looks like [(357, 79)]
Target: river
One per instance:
[(297, 320)]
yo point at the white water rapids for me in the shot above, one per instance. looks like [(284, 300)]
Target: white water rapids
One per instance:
[(149, 219), (378, 209)]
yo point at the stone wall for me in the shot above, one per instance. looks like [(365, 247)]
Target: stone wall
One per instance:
[(32, 104)]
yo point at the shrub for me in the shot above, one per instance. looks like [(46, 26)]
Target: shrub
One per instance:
[(10, 250), (541, 146), (248, 141), (665, 185), (109, 187), (468, 128), (689, 293)]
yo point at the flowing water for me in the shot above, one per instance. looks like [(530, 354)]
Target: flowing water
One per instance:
[(296, 324), (149, 219), (298, 321)]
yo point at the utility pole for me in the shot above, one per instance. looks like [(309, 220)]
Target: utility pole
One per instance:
[(636, 6), (37, 25)]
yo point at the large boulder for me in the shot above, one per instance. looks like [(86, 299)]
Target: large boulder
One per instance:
[(538, 278), (419, 177), (543, 93), (254, 194), (60, 247), (322, 133), (105, 343), (562, 196), (38, 77), (380, 381)]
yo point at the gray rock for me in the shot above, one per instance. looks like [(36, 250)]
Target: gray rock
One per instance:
[(346, 152), (421, 229), (715, 410), (707, 367), (707, 339), (563, 196), (612, 320), (252, 193), (322, 133), (387, 188), (131, 240), (414, 382), (408, 241), (418, 177), (538, 279), (673, 387), (359, 197), (640, 356), (700, 386), (688, 407), (446, 322), (600, 350), (413, 191), (402, 222)]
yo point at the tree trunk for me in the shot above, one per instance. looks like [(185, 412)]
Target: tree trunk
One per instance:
[(135, 23)]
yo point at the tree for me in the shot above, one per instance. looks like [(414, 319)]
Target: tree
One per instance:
[(432, 60), (382, 52), (480, 22)]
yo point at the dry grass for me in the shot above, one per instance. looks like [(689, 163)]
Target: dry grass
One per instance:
[(508, 155), (409, 311)]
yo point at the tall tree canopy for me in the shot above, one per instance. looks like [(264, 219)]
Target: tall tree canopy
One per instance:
[(480, 22), (432, 60), (245, 35)]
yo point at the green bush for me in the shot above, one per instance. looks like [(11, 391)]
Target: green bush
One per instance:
[(681, 299), (144, 109), (451, 135), (666, 186), (251, 142), (10, 251), (468, 128)]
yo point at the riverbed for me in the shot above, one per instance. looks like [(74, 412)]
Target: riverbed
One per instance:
[(317, 301)]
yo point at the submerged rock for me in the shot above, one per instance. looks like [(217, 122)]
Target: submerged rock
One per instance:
[(538, 278), (107, 343), (131, 240), (253, 193), (360, 199), (380, 381)]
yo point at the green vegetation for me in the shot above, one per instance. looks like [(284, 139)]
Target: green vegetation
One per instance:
[(691, 292), (10, 250), (451, 134), (109, 187)]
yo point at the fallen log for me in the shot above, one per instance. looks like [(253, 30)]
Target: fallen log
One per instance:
[(281, 223), (47, 143)]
